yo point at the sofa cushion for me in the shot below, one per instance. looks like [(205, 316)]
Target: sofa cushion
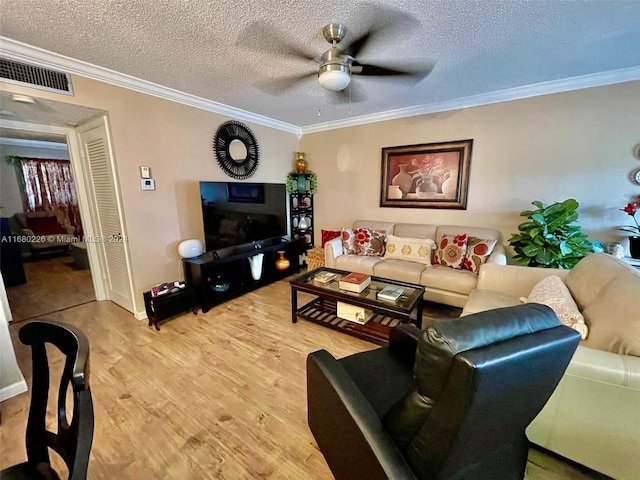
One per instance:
[(411, 249), (552, 291), (451, 250), (481, 300), (370, 242), (613, 318), (349, 242), (415, 230), (357, 263), (449, 279), (591, 274), (396, 269), (374, 225), (478, 251)]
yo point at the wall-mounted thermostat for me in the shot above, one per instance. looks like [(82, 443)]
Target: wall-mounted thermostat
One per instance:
[(148, 184), (145, 172)]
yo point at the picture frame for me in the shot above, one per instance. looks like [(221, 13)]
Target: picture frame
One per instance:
[(429, 175)]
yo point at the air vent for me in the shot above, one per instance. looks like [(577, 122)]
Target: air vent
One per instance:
[(36, 77)]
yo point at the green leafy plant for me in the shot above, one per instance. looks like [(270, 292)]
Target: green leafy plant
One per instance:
[(292, 182), (550, 238)]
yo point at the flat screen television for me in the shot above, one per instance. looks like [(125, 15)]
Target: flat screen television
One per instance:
[(236, 213)]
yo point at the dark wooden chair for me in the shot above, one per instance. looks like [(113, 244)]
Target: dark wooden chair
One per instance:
[(72, 441)]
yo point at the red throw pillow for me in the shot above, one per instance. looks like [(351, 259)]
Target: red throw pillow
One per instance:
[(329, 235), (45, 226)]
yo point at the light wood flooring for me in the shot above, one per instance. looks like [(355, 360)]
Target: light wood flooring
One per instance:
[(220, 395)]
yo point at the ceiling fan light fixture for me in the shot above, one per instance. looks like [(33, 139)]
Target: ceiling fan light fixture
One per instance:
[(334, 77)]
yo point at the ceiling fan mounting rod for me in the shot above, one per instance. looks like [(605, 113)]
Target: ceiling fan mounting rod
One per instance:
[(334, 33)]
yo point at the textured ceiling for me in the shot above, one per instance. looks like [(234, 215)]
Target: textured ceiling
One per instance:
[(223, 50)]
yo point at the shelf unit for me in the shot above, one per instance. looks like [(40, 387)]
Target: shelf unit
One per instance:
[(301, 208), (224, 274)]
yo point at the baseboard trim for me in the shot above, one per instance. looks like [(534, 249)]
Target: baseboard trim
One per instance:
[(13, 390)]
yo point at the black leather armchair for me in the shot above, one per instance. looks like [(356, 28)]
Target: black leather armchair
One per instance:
[(455, 407)]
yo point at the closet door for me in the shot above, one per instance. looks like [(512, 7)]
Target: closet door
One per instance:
[(110, 234)]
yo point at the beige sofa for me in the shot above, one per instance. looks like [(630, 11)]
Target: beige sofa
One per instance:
[(443, 284), (60, 236), (593, 417)]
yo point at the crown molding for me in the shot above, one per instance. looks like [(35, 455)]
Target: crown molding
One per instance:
[(21, 142), (518, 93), (27, 53), (19, 51)]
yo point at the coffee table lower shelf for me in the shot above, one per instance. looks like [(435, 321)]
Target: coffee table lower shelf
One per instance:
[(323, 311)]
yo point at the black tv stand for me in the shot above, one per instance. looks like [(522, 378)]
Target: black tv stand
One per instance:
[(223, 274)]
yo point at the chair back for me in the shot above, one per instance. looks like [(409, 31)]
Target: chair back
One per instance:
[(480, 380), (72, 441)]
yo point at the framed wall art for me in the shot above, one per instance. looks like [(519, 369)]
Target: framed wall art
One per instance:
[(431, 175)]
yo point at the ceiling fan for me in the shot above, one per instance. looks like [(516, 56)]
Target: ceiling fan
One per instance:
[(338, 63)]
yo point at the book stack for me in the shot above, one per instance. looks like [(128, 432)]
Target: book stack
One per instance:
[(390, 293), (354, 282), (324, 278)]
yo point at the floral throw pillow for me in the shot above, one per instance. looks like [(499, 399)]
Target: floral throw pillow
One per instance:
[(370, 242), (451, 250), (478, 250), (349, 243)]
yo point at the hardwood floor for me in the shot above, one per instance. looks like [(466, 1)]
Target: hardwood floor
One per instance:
[(220, 395)]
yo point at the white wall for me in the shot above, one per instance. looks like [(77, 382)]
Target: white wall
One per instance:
[(548, 148), (11, 380)]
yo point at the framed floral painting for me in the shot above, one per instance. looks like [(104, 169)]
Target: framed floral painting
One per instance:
[(431, 175)]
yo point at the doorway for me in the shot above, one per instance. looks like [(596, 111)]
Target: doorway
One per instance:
[(56, 278)]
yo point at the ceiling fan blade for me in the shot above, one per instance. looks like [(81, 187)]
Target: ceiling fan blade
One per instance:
[(382, 19), (356, 46), (416, 74), (263, 37), (276, 86)]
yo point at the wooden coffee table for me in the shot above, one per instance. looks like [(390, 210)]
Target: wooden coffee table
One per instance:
[(386, 314)]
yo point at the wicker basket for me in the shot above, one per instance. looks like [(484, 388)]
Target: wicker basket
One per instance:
[(315, 258)]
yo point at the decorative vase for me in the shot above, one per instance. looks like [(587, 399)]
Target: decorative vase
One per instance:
[(449, 186), (301, 163), (302, 183), (281, 262), (634, 247), (394, 192), (403, 180), (302, 224), (425, 184), (255, 263)]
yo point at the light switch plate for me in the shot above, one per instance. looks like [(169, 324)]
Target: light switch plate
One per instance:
[(147, 184), (145, 172)]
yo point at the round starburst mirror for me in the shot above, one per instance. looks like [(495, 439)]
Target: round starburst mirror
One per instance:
[(236, 150)]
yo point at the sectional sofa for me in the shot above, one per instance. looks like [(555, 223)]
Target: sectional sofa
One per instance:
[(443, 284), (593, 417)]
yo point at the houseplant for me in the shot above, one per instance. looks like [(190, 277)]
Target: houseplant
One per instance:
[(550, 238), (292, 182), (634, 241)]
